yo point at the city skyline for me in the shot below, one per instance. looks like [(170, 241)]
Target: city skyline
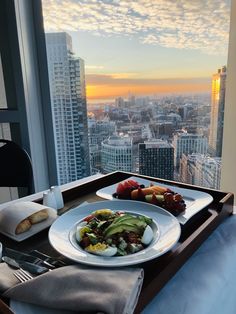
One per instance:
[(144, 47)]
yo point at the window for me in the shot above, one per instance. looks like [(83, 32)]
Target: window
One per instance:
[(139, 113), (154, 69)]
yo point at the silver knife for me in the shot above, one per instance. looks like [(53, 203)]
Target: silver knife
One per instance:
[(21, 256), (30, 267)]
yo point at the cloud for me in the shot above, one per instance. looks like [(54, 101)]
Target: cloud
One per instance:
[(108, 87), (119, 80), (94, 67), (198, 24)]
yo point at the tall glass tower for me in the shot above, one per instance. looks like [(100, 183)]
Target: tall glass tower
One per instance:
[(217, 112), (69, 108), (156, 159)]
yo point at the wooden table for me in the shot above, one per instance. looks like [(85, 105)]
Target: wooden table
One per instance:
[(158, 271)]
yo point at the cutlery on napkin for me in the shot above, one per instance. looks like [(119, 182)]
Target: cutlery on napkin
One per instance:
[(82, 289), (34, 257), (30, 267)]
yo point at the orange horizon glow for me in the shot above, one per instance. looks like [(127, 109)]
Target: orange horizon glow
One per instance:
[(109, 91)]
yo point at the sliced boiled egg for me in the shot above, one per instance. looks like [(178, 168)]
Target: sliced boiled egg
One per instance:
[(101, 249), (147, 235), (80, 231), (103, 212)]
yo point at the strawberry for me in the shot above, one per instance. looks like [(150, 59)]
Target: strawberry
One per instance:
[(120, 189), (123, 190), (133, 183), (126, 185)]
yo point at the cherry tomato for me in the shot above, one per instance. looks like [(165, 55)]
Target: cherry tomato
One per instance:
[(119, 212), (88, 218)]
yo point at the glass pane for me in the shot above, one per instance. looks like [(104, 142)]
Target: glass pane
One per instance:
[(3, 101), (8, 194), (154, 92), (5, 131)]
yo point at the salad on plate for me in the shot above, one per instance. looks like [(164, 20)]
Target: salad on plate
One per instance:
[(114, 233)]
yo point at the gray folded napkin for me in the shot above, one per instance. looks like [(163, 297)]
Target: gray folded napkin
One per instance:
[(78, 288)]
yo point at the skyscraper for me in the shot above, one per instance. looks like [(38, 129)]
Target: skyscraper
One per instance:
[(98, 131), (69, 108), (187, 143), (117, 154), (201, 170), (156, 159), (217, 112)]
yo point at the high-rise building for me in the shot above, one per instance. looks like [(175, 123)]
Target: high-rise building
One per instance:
[(187, 143), (201, 170), (156, 159), (117, 154), (186, 174), (98, 131), (217, 112), (95, 158), (69, 108)]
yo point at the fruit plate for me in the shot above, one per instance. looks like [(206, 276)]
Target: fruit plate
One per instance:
[(194, 200), (165, 226)]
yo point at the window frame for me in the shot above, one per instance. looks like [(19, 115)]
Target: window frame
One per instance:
[(23, 53), (228, 171)]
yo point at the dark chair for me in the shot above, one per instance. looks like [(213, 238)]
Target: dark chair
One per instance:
[(15, 167)]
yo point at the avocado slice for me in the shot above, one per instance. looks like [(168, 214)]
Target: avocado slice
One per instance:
[(130, 220), (122, 218), (127, 219), (136, 221), (118, 228)]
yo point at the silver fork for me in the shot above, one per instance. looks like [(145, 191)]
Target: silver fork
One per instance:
[(22, 275)]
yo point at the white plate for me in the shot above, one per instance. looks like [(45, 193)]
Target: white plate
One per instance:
[(36, 228), (166, 229), (194, 200)]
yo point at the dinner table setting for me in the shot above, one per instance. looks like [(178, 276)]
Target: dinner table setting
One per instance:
[(104, 247)]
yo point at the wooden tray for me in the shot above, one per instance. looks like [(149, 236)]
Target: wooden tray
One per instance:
[(160, 270)]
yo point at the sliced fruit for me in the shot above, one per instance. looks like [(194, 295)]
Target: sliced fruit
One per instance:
[(169, 197), (154, 199), (133, 183), (120, 189), (137, 194), (159, 189), (126, 185), (178, 197)]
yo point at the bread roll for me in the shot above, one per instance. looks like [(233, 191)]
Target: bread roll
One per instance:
[(38, 216), (23, 226)]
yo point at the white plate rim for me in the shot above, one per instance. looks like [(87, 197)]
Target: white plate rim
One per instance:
[(199, 199), (60, 238)]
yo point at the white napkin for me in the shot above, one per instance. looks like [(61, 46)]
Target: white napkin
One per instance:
[(83, 289)]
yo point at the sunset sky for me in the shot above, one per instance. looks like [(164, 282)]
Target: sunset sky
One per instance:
[(144, 47)]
